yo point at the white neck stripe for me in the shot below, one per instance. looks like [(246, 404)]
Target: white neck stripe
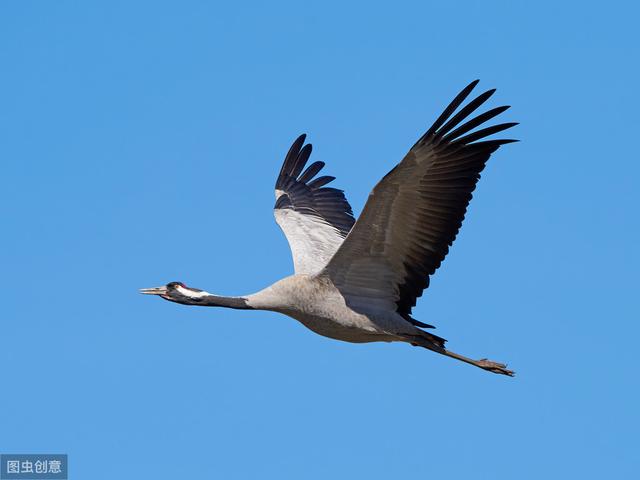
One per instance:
[(187, 292)]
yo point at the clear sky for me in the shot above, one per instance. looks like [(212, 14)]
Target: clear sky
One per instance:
[(139, 145)]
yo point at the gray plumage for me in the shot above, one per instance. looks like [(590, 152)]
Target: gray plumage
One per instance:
[(357, 281)]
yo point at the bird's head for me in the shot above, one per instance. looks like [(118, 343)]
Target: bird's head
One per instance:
[(175, 292)]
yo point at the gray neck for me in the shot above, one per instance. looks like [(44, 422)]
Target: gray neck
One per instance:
[(212, 301)]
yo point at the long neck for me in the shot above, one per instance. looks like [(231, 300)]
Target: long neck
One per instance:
[(209, 300), (206, 299)]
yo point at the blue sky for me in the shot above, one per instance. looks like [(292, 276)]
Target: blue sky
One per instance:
[(139, 145)]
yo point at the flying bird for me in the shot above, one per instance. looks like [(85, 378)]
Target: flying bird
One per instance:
[(357, 281)]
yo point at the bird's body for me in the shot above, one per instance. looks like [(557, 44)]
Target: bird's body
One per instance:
[(315, 302), (358, 281)]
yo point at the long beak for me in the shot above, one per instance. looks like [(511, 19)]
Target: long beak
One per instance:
[(154, 291)]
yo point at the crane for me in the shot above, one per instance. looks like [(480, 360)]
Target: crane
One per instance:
[(357, 281)]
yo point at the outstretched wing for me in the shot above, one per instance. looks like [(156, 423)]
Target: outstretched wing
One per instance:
[(314, 218), (414, 213)]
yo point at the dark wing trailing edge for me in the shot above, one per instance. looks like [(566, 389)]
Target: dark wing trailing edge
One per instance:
[(314, 218), (414, 213), (309, 196)]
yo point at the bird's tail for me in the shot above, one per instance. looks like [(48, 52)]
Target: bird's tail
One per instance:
[(427, 340), (435, 339)]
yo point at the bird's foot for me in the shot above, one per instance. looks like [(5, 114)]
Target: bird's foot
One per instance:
[(494, 367)]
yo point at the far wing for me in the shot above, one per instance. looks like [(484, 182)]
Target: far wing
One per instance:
[(314, 218)]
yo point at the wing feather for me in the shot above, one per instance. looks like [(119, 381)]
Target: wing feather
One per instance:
[(314, 218), (414, 213)]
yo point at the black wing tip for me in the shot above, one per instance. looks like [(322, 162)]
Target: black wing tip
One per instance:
[(295, 161), (489, 93), (320, 182), (292, 158), (454, 120), (300, 141), (296, 146), (449, 110), (466, 91)]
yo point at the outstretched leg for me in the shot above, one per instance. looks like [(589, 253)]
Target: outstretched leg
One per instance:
[(485, 364)]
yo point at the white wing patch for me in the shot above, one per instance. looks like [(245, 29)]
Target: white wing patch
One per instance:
[(312, 241)]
